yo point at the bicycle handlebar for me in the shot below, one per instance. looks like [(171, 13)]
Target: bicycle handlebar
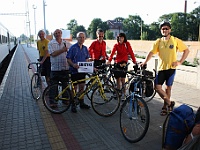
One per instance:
[(32, 64)]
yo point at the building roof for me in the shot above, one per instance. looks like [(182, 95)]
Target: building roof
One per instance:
[(113, 24)]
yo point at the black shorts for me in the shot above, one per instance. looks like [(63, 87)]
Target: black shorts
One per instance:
[(120, 73), (166, 76), (98, 62), (46, 67), (78, 76)]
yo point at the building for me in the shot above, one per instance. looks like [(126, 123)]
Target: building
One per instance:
[(115, 27)]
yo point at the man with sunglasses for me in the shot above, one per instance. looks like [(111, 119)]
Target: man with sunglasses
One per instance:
[(167, 48), (97, 49)]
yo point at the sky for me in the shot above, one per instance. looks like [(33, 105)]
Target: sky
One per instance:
[(58, 13)]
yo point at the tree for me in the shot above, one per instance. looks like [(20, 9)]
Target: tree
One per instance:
[(109, 35), (196, 29), (132, 27), (95, 24), (75, 28)]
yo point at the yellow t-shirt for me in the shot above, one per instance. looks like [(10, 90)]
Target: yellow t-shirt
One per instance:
[(42, 47), (167, 51)]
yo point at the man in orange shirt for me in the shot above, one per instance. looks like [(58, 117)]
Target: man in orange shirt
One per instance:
[(97, 49)]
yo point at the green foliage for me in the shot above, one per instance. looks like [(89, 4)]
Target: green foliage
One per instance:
[(108, 51), (194, 64), (109, 35), (138, 56), (184, 26), (75, 28), (95, 24)]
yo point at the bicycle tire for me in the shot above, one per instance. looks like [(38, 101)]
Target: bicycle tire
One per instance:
[(106, 107), (50, 97), (36, 86), (164, 129), (90, 91), (134, 128)]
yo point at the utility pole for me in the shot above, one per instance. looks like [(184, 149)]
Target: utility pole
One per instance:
[(44, 4), (28, 21), (35, 7), (185, 7)]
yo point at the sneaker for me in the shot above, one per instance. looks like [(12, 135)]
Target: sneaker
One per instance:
[(73, 108), (84, 106)]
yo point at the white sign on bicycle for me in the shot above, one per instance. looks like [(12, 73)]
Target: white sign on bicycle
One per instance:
[(86, 67)]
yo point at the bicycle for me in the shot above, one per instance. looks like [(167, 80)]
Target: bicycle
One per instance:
[(104, 100), (134, 114), (36, 81)]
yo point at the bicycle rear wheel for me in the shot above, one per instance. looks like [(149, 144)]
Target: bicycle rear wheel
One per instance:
[(36, 86), (134, 119), (106, 103), (164, 129), (55, 99)]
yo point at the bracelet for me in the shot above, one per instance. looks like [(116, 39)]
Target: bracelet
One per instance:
[(192, 136)]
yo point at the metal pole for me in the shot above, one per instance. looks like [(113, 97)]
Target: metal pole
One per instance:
[(35, 7), (141, 30), (185, 7), (28, 21), (44, 4)]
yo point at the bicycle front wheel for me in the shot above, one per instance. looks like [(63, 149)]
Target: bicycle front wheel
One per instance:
[(36, 86), (106, 102), (55, 99), (134, 119), (89, 93)]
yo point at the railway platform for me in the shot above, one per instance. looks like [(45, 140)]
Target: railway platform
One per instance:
[(27, 124)]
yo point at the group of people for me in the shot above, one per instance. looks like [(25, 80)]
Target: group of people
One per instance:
[(58, 56)]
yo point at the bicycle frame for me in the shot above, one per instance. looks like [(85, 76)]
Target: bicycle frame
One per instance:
[(95, 79), (133, 101)]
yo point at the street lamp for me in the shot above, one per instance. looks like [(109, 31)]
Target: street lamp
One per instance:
[(44, 4), (28, 22), (35, 7)]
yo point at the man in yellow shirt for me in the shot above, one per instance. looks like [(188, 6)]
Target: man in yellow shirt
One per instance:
[(167, 48), (42, 46)]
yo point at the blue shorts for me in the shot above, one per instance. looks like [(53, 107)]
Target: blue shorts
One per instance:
[(166, 76)]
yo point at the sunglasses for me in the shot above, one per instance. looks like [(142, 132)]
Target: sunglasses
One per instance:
[(164, 29), (57, 33)]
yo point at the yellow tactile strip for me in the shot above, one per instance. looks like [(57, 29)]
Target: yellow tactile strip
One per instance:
[(53, 133)]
